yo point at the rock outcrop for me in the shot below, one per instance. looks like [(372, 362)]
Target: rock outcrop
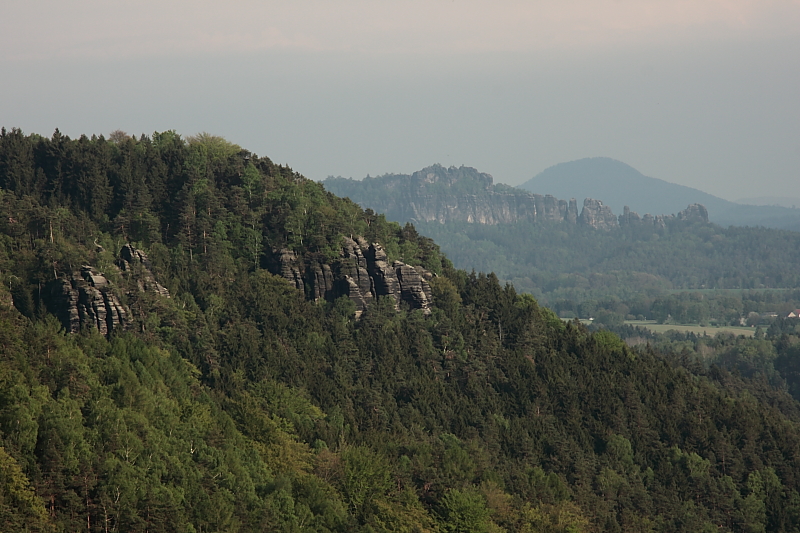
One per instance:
[(131, 260), (87, 300), (694, 213), (362, 273), (322, 282), (354, 262), (439, 194), (414, 288), (6, 300), (462, 194), (384, 277), (628, 217), (572, 211), (290, 268), (597, 215), (358, 283)]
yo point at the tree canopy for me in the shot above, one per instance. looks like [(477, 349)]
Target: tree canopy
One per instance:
[(241, 403)]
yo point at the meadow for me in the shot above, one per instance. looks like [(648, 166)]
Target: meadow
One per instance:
[(691, 328)]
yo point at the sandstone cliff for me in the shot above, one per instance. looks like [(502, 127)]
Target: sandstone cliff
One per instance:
[(597, 215), (693, 213), (362, 273), (439, 194), (89, 300)]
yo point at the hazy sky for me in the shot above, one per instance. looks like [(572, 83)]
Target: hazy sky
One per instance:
[(704, 93)]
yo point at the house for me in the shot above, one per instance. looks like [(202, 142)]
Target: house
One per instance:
[(794, 314)]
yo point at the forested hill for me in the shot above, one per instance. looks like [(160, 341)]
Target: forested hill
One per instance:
[(216, 381), (579, 263), (545, 246), (443, 195)]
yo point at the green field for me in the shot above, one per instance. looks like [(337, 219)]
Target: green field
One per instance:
[(691, 328)]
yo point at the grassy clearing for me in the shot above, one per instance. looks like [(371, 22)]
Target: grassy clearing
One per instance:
[(692, 328)]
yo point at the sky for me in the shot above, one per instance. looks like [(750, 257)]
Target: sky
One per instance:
[(704, 93)]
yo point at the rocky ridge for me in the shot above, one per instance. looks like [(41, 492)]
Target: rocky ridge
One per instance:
[(439, 194), (88, 299), (136, 262), (362, 273), (693, 213)]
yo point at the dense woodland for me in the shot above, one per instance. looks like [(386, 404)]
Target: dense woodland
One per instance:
[(239, 404), (705, 308), (772, 354), (636, 269), (567, 265), (563, 260)]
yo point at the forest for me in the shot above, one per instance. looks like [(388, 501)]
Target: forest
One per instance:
[(772, 354), (668, 268), (723, 273), (561, 260), (221, 397)]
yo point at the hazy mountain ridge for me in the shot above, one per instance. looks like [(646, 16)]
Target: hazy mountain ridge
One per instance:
[(560, 257), (463, 194), (619, 184)]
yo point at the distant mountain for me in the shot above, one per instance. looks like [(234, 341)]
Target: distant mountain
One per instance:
[(618, 185), (550, 246), (463, 194), (769, 216)]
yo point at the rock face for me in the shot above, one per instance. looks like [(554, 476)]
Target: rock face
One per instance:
[(694, 213), (384, 278), (628, 217), (6, 300), (362, 273), (414, 288), (290, 268), (87, 300), (572, 211), (439, 194), (130, 260), (322, 281), (357, 284), (597, 215)]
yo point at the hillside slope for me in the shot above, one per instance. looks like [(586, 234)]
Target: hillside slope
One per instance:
[(225, 395), (549, 248)]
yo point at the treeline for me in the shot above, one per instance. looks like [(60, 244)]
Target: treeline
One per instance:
[(715, 308), (372, 191), (238, 404), (772, 354), (572, 262)]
